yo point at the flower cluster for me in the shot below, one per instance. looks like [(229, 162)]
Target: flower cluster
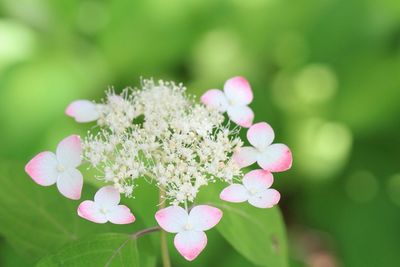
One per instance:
[(161, 134)]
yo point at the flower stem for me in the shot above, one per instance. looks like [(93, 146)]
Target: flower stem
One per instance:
[(164, 246), (146, 231)]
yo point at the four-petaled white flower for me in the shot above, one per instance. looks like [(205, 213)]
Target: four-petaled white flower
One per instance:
[(106, 208), (190, 239), (270, 157), (83, 111), (255, 189), (234, 99), (48, 168)]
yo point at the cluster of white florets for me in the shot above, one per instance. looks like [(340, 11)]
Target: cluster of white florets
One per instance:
[(160, 133)]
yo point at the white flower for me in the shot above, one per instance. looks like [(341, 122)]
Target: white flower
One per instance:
[(105, 208), (255, 189), (271, 157), (48, 168), (189, 227), (180, 144), (234, 99)]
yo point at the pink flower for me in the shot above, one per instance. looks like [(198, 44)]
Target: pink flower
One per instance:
[(270, 157), (255, 189), (48, 168), (234, 99), (190, 239), (105, 208), (83, 111)]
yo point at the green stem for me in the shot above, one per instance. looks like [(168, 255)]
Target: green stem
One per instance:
[(164, 246)]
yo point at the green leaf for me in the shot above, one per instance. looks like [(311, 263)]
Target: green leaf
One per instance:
[(100, 250), (257, 234), (9, 257), (38, 220)]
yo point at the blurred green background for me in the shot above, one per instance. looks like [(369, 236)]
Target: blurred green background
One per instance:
[(325, 74)]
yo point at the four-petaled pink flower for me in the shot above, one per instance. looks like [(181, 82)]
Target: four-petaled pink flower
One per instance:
[(48, 168), (270, 157), (255, 189), (234, 99), (190, 239), (83, 111), (105, 207)]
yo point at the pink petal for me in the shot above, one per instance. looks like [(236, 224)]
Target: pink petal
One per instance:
[(172, 219), (261, 135), (265, 199), (245, 156), (43, 168), (82, 111), (204, 217), (69, 152), (238, 91), (241, 115), (121, 214), (190, 243), (70, 183), (89, 210), (276, 158), (107, 197), (258, 179), (235, 193), (215, 98)]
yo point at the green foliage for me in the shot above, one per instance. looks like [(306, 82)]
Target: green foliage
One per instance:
[(257, 234), (101, 250), (37, 220)]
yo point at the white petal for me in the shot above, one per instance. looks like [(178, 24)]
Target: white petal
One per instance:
[(107, 197), (261, 135), (190, 243), (89, 210), (235, 193), (241, 115), (215, 98), (204, 217), (70, 183), (172, 219), (245, 156), (265, 199), (276, 158), (69, 152), (238, 91), (120, 214), (82, 111), (258, 180), (43, 168)]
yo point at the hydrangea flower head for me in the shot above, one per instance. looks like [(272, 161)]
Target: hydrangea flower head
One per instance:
[(161, 134)]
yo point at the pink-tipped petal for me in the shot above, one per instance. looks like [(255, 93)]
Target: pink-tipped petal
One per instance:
[(245, 156), (172, 219), (204, 217), (241, 115), (216, 99), (107, 197), (70, 183), (265, 199), (89, 210), (82, 111), (69, 152), (261, 135), (121, 214), (235, 193), (43, 168), (238, 91), (258, 179), (276, 158), (190, 243)]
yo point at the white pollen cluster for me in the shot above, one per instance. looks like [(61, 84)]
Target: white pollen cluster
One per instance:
[(159, 133)]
